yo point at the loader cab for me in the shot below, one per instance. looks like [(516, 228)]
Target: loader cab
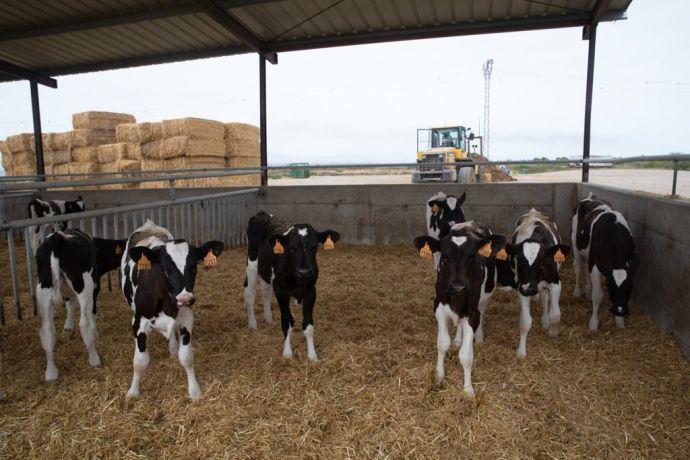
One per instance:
[(448, 137)]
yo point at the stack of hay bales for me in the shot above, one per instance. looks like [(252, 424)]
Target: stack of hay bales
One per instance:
[(19, 155), (119, 157), (243, 151), (180, 144), (92, 129), (57, 153)]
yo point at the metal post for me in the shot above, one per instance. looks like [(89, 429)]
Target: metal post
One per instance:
[(588, 101), (171, 189), (262, 120), (30, 269), (38, 137), (675, 177)]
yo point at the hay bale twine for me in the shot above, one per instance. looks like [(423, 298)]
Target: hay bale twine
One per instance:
[(139, 133), (182, 146), (194, 128), (100, 120)]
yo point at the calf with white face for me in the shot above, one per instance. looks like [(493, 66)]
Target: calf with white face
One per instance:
[(69, 265), (602, 241), (465, 280), (442, 212), (158, 277), (284, 258), (536, 254)]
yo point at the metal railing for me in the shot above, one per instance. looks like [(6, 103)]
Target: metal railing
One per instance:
[(219, 216)]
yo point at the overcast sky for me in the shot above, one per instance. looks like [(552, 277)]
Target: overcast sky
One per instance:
[(365, 103)]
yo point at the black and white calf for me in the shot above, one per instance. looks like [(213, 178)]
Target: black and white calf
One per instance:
[(602, 241), (442, 212), (70, 264), (536, 255), (465, 280), (284, 257), (41, 208), (158, 276)]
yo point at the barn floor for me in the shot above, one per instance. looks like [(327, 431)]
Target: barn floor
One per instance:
[(616, 393)]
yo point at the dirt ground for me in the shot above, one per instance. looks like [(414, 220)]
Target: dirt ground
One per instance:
[(649, 180), (615, 393)]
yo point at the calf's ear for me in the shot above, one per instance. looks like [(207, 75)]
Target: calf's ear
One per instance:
[(427, 246), (328, 238), (278, 243), (558, 252), (144, 257), (208, 252), (493, 245)]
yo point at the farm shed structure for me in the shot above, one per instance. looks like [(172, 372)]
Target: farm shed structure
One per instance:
[(41, 40)]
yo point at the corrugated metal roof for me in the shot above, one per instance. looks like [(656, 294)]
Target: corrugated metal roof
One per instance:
[(73, 36)]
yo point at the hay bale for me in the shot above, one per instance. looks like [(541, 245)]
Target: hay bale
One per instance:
[(6, 158), (84, 154), (109, 153), (121, 166), (180, 146), (23, 170), (241, 132), (139, 133), (243, 162), (20, 142), (194, 128), (83, 168), (182, 163), (61, 169), (88, 137), (25, 158), (59, 141), (100, 120), (57, 157)]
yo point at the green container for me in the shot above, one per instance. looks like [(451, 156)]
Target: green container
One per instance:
[(299, 170)]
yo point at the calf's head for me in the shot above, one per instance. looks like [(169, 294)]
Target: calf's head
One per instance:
[(77, 205), (299, 246), (176, 261), (463, 252), (441, 205), (529, 259)]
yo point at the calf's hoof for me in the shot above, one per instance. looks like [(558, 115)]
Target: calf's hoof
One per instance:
[(593, 324), (268, 319), (195, 392), (469, 391), (313, 357), (478, 338), (287, 354), (51, 374), (545, 323), (252, 325), (553, 332), (521, 353), (620, 322), (94, 361), (133, 393)]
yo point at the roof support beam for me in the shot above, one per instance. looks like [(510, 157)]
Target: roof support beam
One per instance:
[(262, 120), (588, 102), (38, 135), (28, 74), (127, 18), (597, 14), (235, 27)]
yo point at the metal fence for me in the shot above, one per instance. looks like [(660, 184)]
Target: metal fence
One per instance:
[(218, 216)]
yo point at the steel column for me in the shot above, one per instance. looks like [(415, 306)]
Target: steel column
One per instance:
[(262, 122), (588, 101), (38, 137)]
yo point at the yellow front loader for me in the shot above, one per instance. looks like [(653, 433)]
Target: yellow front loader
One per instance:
[(441, 153)]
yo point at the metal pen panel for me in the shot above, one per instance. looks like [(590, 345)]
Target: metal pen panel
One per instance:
[(13, 274), (30, 269), (93, 227)]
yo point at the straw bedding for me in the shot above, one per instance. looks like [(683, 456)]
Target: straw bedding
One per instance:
[(616, 393)]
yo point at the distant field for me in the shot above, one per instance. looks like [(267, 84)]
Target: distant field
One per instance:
[(648, 180)]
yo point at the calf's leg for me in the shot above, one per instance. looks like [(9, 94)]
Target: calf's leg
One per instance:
[(544, 299), (466, 355), (252, 272), (597, 297), (483, 301), (525, 324), (44, 298), (442, 342), (287, 323), (266, 299), (141, 329), (554, 308), (577, 268), (185, 319), (70, 306), (308, 327), (87, 319)]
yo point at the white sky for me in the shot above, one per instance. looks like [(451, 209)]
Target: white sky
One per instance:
[(365, 103)]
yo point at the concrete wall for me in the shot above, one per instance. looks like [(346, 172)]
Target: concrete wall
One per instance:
[(661, 228), (384, 214)]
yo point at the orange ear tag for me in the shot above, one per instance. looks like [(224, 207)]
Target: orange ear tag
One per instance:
[(434, 208), (144, 263), (559, 257), (485, 251), (328, 244), (502, 254), (278, 248), (210, 260), (425, 252), (118, 250)]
